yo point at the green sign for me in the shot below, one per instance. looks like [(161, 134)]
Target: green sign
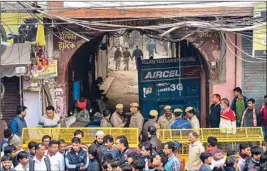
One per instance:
[(259, 32)]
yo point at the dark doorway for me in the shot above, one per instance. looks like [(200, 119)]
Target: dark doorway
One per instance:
[(82, 68)]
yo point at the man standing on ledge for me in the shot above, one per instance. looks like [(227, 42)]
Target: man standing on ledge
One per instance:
[(18, 122), (239, 105)]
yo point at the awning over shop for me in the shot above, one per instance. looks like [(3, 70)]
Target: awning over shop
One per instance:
[(15, 60), (14, 70)]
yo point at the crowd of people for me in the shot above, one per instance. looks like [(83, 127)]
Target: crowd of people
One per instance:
[(109, 153), (102, 154)]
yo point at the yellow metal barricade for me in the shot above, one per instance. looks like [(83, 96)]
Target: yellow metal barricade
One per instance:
[(226, 139), (36, 134)]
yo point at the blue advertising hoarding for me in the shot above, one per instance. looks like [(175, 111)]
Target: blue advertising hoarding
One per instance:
[(161, 82)]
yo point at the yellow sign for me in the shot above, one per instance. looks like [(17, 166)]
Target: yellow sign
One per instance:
[(259, 33), (22, 28), (50, 71)]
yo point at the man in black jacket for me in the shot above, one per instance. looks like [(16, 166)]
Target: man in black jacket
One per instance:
[(215, 111), (76, 158)]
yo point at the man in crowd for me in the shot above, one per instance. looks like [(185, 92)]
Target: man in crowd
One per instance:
[(108, 147), (249, 117), (45, 141), (50, 119), (253, 163), (76, 158), (173, 162), (160, 160), (98, 143), (215, 111), (31, 148), (191, 115), (263, 113), (138, 54), (39, 161), (205, 157), (6, 163), (122, 145), (105, 120), (117, 58), (218, 159), (153, 139), (180, 122), (126, 58), (239, 104), (167, 118), (152, 121), (96, 95), (245, 152), (12, 152), (23, 158), (195, 149), (56, 158), (117, 119), (62, 146), (137, 119), (18, 122), (7, 135)]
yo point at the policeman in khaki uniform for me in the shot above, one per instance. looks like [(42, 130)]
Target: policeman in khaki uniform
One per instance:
[(117, 120), (152, 121), (167, 118), (137, 119)]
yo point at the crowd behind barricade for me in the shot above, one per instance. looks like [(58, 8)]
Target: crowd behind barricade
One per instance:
[(109, 153), (114, 154)]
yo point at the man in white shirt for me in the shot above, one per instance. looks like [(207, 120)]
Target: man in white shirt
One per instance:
[(39, 162), (50, 119), (23, 158), (56, 158)]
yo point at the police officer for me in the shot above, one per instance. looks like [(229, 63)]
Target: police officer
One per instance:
[(167, 118), (152, 121), (117, 119), (137, 119)]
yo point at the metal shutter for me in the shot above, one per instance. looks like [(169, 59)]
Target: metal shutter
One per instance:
[(11, 98), (254, 74)]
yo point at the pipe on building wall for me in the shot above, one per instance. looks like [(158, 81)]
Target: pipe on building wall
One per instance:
[(235, 59)]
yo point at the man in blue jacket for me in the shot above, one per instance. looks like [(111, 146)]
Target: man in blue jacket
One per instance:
[(18, 122), (239, 104), (179, 122)]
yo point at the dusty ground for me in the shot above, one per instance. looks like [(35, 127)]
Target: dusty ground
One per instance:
[(124, 88)]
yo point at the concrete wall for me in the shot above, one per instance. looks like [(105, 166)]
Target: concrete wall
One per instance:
[(225, 89)]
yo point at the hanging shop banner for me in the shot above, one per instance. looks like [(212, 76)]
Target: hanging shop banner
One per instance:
[(259, 33), (49, 71), (22, 28)]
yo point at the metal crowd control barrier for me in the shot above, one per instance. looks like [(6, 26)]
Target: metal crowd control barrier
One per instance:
[(226, 139), (36, 134)]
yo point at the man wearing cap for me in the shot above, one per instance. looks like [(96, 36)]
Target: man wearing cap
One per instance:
[(179, 122), (117, 119), (191, 116), (167, 118), (152, 121), (137, 119)]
